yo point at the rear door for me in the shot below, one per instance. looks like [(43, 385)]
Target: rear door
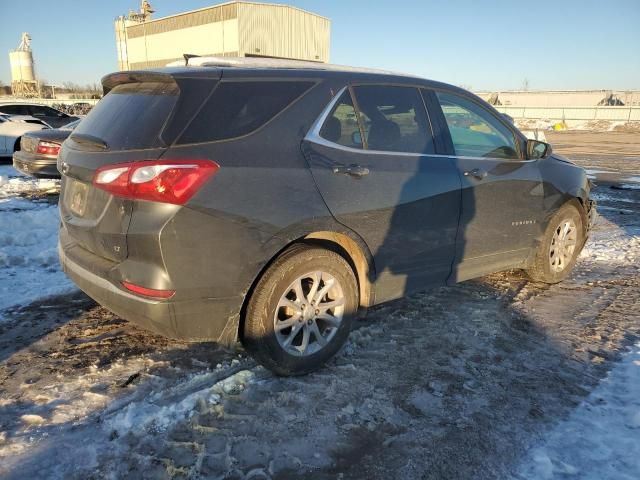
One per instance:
[(502, 194), (373, 158), (135, 121)]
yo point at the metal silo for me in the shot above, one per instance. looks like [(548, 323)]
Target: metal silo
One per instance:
[(23, 78)]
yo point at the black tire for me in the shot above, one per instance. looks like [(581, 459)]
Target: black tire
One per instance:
[(259, 332), (16, 146), (541, 270)]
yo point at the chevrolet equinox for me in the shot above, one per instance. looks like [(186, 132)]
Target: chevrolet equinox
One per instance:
[(267, 201)]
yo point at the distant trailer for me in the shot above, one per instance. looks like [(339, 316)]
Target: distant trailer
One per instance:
[(234, 29)]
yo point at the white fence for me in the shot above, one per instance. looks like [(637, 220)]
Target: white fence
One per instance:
[(573, 114)]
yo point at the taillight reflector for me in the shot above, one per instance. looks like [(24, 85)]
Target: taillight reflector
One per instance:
[(167, 181), (48, 148), (148, 292)]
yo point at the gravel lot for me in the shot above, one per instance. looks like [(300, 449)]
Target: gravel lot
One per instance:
[(470, 381)]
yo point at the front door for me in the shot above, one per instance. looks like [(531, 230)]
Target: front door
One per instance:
[(502, 193), (372, 156)]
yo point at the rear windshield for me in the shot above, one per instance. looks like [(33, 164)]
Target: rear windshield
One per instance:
[(238, 108), (131, 116)]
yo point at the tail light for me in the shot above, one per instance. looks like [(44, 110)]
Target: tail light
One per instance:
[(48, 148), (148, 292), (167, 181)]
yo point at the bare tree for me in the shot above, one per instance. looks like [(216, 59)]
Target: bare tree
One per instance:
[(525, 84)]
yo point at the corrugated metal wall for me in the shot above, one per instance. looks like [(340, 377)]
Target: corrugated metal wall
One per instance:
[(283, 32), (231, 29), (203, 16)]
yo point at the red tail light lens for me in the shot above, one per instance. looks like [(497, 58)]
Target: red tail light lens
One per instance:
[(48, 148), (167, 181), (148, 292)]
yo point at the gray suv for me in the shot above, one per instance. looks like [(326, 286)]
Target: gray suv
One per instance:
[(267, 203)]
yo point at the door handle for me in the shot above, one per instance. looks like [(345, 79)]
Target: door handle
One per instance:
[(353, 170), (475, 173)]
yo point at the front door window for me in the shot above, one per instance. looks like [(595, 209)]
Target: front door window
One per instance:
[(475, 132)]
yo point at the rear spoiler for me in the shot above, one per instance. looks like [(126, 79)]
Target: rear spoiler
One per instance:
[(119, 78)]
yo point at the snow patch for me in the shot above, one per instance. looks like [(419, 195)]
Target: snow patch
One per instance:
[(600, 438), (155, 414), (29, 266)]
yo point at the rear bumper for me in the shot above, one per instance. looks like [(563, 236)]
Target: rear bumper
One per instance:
[(35, 165), (206, 319)]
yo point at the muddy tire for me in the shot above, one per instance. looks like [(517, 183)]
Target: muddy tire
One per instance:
[(557, 253), (301, 310)]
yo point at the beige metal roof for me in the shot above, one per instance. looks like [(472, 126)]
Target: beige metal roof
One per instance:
[(236, 2)]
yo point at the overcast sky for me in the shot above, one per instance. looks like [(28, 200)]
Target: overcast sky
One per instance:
[(485, 45)]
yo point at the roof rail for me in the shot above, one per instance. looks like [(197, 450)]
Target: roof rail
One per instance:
[(263, 62)]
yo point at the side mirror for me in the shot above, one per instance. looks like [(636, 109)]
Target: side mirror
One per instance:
[(538, 149), (356, 138)]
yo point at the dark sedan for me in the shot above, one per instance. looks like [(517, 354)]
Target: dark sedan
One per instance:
[(39, 150), (49, 115)]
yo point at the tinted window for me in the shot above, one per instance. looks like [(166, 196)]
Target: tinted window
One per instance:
[(38, 111), (341, 126), (15, 109), (131, 115), (394, 119), (475, 132), (238, 108)]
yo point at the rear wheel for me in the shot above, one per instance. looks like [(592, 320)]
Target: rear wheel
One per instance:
[(560, 247), (300, 312)]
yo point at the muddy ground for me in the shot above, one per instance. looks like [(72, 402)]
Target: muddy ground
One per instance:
[(456, 382)]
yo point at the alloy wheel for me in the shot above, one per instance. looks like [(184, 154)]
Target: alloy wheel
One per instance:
[(563, 245), (309, 313)]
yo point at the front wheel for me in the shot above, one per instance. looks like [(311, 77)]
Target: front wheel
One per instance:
[(557, 253), (300, 312)]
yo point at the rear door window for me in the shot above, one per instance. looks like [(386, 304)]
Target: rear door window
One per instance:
[(394, 119), (239, 108), (341, 126), (475, 132), (131, 116)]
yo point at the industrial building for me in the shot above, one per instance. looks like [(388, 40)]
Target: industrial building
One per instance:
[(563, 98), (234, 29)]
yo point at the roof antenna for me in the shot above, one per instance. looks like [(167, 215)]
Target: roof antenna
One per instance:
[(187, 56)]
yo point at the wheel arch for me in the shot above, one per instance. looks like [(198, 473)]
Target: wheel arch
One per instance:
[(345, 243)]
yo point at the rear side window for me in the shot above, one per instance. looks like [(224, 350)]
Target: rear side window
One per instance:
[(475, 132), (15, 109), (132, 115), (43, 111), (394, 119), (239, 108)]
